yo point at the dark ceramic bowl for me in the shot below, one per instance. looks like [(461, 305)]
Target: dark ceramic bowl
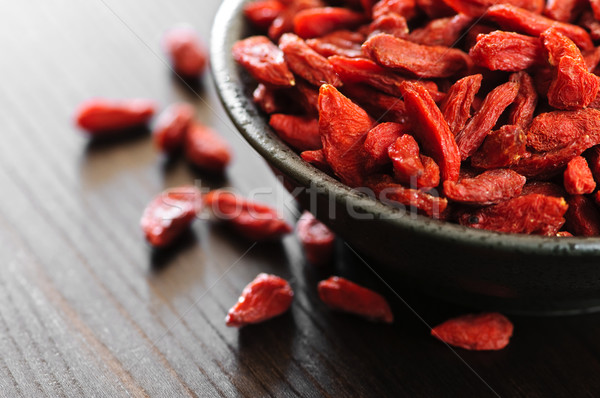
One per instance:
[(514, 273)]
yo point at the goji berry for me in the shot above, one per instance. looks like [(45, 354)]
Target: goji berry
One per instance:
[(252, 220), (404, 153), (563, 10), (591, 24), (205, 149), (592, 59), (544, 188), (577, 178), (343, 295), (431, 130), (380, 106), (169, 214), (522, 110), (415, 59), (266, 297), (317, 159), (342, 42), (501, 148), (431, 174), (394, 194), (343, 126), (315, 22), (471, 137), (300, 132), (186, 52), (101, 116), (262, 13), (441, 32), (435, 8), (392, 24), (404, 8), (456, 107), (557, 129), (306, 62), (528, 214), (524, 21), (317, 240), (507, 51), (378, 140), (264, 61), (171, 126), (284, 22), (488, 188), (308, 98), (478, 8), (582, 217), (486, 331), (475, 32), (572, 87)]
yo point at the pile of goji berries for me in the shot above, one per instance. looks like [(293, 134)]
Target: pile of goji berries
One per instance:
[(478, 112)]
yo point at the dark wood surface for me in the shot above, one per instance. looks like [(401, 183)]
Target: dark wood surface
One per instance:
[(88, 309)]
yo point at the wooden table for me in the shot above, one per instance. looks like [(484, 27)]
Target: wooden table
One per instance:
[(88, 309)]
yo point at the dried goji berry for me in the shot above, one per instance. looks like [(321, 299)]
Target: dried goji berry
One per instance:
[(592, 59), (544, 188), (507, 51), (578, 179), (456, 107), (266, 297), (308, 98), (343, 295), (488, 188), (171, 127), (563, 10), (591, 24), (342, 42), (431, 174), (380, 106), (187, 53), (317, 159), (378, 140), (582, 217), (300, 132), (471, 137), (501, 148), (477, 8), (343, 126), (486, 331), (431, 130), (285, 20), (557, 129), (474, 32), (528, 214), (415, 59), (441, 32), (99, 116), (572, 86), (205, 149), (404, 8), (386, 190), (269, 99), (262, 13), (306, 62), (252, 220), (595, 8), (435, 8), (361, 70), (263, 60), (522, 110), (520, 20), (404, 153), (315, 22), (317, 240), (169, 214), (392, 24)]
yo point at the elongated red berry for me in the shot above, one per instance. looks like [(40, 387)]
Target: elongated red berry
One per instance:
[(267, 296), (318, 240), (172, 126), (188, 56), (206, 149), (343, 295), (99, 116), (169, 214), (487, 331)]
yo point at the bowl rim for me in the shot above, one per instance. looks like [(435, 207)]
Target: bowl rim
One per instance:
[(228, 26)]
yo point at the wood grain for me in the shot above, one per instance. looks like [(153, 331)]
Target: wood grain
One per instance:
[(88, 309)]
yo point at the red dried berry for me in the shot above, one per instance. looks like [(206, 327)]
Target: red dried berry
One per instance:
[(441, 32), (501, 148), (582, 217), (300, 132), (522, 109), (578, 179), (487, 331), (171, 127), (380, 106), (169, 214), (456, 107), (507, 51), (563, 10), (317, 159), (264, 61), (392, 24), (262, 13), (478, 8), (266, 297), (488, 188), (317, 240), (435, 8), (431, 130), (187, 54), (342, 42), (306, 62), (378, 140), (415, 59), (252, 220), (102, 116), (555, 130), (315, 22), (404, 8), (342, 295), (284, 22), (207, 150)]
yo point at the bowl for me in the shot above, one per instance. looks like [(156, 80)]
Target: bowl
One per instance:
[(513, 273)]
